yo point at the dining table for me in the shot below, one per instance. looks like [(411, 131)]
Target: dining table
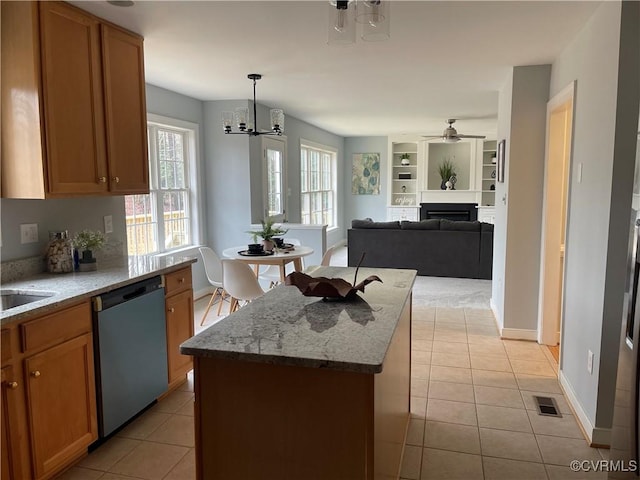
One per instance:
[(279, 257)]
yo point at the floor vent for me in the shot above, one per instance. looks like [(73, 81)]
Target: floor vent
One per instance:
[(547, 406)]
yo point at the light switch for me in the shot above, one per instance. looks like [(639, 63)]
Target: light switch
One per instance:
[(28, 233), (108, 224)]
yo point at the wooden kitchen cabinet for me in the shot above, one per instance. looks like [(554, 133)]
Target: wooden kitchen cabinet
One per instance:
[(74, 113), (12, 427), (61, 404), (179, 308)]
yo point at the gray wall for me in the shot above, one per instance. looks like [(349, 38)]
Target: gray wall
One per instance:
[(362, 206), (73, 214), (525, 167), (605, 125), (170, 104)]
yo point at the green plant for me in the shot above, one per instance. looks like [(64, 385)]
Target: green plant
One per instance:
[(405, 156), (268, 230), (88, 240), (445, 169)]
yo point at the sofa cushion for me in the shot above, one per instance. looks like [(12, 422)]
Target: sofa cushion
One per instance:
[(486, 227), (459, 225), (370, 224), (431, 224)]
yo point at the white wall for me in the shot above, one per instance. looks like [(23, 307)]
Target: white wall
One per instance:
[(501, 202), (605, 125), (362, 206)]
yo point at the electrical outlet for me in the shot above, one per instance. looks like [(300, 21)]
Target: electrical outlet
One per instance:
[(28, 233), (590, 362), (108, 224)]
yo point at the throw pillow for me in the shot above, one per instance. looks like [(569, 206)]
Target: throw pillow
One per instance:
[(459, 225), (431, 224)]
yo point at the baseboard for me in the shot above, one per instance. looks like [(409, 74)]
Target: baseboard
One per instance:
[(519, 334), (203, 292), (494, 309), (597, 437)]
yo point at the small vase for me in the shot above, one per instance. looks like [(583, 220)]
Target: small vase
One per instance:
[(443, 185), (87, 262), (268, 245)]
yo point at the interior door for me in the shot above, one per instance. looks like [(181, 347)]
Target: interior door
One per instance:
[(274, 177)]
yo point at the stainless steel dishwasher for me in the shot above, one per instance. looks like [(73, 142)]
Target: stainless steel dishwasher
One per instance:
[(131, 351)]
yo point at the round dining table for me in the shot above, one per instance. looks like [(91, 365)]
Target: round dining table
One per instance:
[(279, 257)]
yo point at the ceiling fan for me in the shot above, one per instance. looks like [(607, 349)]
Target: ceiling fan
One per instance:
[(451, 135)]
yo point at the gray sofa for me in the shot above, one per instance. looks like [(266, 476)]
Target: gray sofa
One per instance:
[(436, 247)]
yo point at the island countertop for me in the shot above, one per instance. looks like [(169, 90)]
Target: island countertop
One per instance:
[(67, 288), (286, 328)]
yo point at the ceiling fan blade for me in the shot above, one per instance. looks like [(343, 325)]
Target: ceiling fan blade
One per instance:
[(470, 136), (432, 136)]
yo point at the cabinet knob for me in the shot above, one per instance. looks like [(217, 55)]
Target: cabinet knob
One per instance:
[(36, 374), (116, 179), (171, 310), (12, 385), (181, 280), (102, 179)]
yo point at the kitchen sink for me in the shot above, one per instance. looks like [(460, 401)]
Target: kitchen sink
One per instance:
[(15, 298)]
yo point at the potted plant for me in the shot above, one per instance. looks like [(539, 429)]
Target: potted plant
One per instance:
[(86, 242), (446, 171), (405, 159), (267, 233)]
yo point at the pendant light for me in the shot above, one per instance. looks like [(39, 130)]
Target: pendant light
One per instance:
[(242, 121)]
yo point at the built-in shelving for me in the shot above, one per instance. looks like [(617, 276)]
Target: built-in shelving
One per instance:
[(404, 170), (489, 173)]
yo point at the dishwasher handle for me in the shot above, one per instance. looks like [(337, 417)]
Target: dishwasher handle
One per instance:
[(126, 293)]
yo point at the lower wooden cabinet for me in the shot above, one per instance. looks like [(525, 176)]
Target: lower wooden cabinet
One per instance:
[(12, 429), (179, 328), (61, 405)]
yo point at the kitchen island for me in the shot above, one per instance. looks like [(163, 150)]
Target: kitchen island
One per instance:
[(297, 387)]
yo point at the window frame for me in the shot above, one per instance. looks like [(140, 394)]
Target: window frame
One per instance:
[(308, 144), (282, 142), (191, 133)]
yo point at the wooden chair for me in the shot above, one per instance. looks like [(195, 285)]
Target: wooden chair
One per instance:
[(213, 270), (239, 282)]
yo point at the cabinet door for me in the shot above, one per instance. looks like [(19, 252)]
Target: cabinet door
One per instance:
[(73, 103), (10, 435), (179, 329), (123, 65), (61, 403)]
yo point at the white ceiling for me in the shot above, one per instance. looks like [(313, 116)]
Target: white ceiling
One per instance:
[(443, 60)]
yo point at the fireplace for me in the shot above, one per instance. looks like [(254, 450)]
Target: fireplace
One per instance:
[(450, 211)]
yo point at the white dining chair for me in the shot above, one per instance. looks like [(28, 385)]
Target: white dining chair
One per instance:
[(271, 274), (239, 282), (213, 271), (326, 259)]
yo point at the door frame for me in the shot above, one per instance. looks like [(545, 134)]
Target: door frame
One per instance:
[(547, 332)]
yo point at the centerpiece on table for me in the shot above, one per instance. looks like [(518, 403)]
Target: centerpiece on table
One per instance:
[(447, 174), (86, 242), (267, 234)]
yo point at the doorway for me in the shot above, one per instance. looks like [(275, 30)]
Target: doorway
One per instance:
[(554, 216)]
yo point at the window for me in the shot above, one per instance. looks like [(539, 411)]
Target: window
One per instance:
[(275, 180), (318, 184), (164, 219)]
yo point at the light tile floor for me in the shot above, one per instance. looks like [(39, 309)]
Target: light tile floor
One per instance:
[(472, 412)]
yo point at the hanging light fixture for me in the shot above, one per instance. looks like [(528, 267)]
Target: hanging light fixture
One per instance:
[(372, 14), (342, 25), (374, 17), (241, 117)]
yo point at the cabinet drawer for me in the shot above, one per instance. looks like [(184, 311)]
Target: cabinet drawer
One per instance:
[(177, 281), (5, 345), (56, 327)]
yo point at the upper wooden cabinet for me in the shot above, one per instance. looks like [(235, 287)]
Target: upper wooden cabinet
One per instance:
[(73, 104)]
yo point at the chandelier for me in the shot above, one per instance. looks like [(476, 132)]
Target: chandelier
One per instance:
[(373, 15), (242, 121)]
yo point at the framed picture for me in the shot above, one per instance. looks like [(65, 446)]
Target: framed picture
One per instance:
[(365, 179), (500, 161)]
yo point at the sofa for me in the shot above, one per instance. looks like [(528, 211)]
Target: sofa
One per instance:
[(435, 247)]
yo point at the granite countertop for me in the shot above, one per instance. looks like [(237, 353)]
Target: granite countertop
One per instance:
[(286, 328), (68, 288)]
